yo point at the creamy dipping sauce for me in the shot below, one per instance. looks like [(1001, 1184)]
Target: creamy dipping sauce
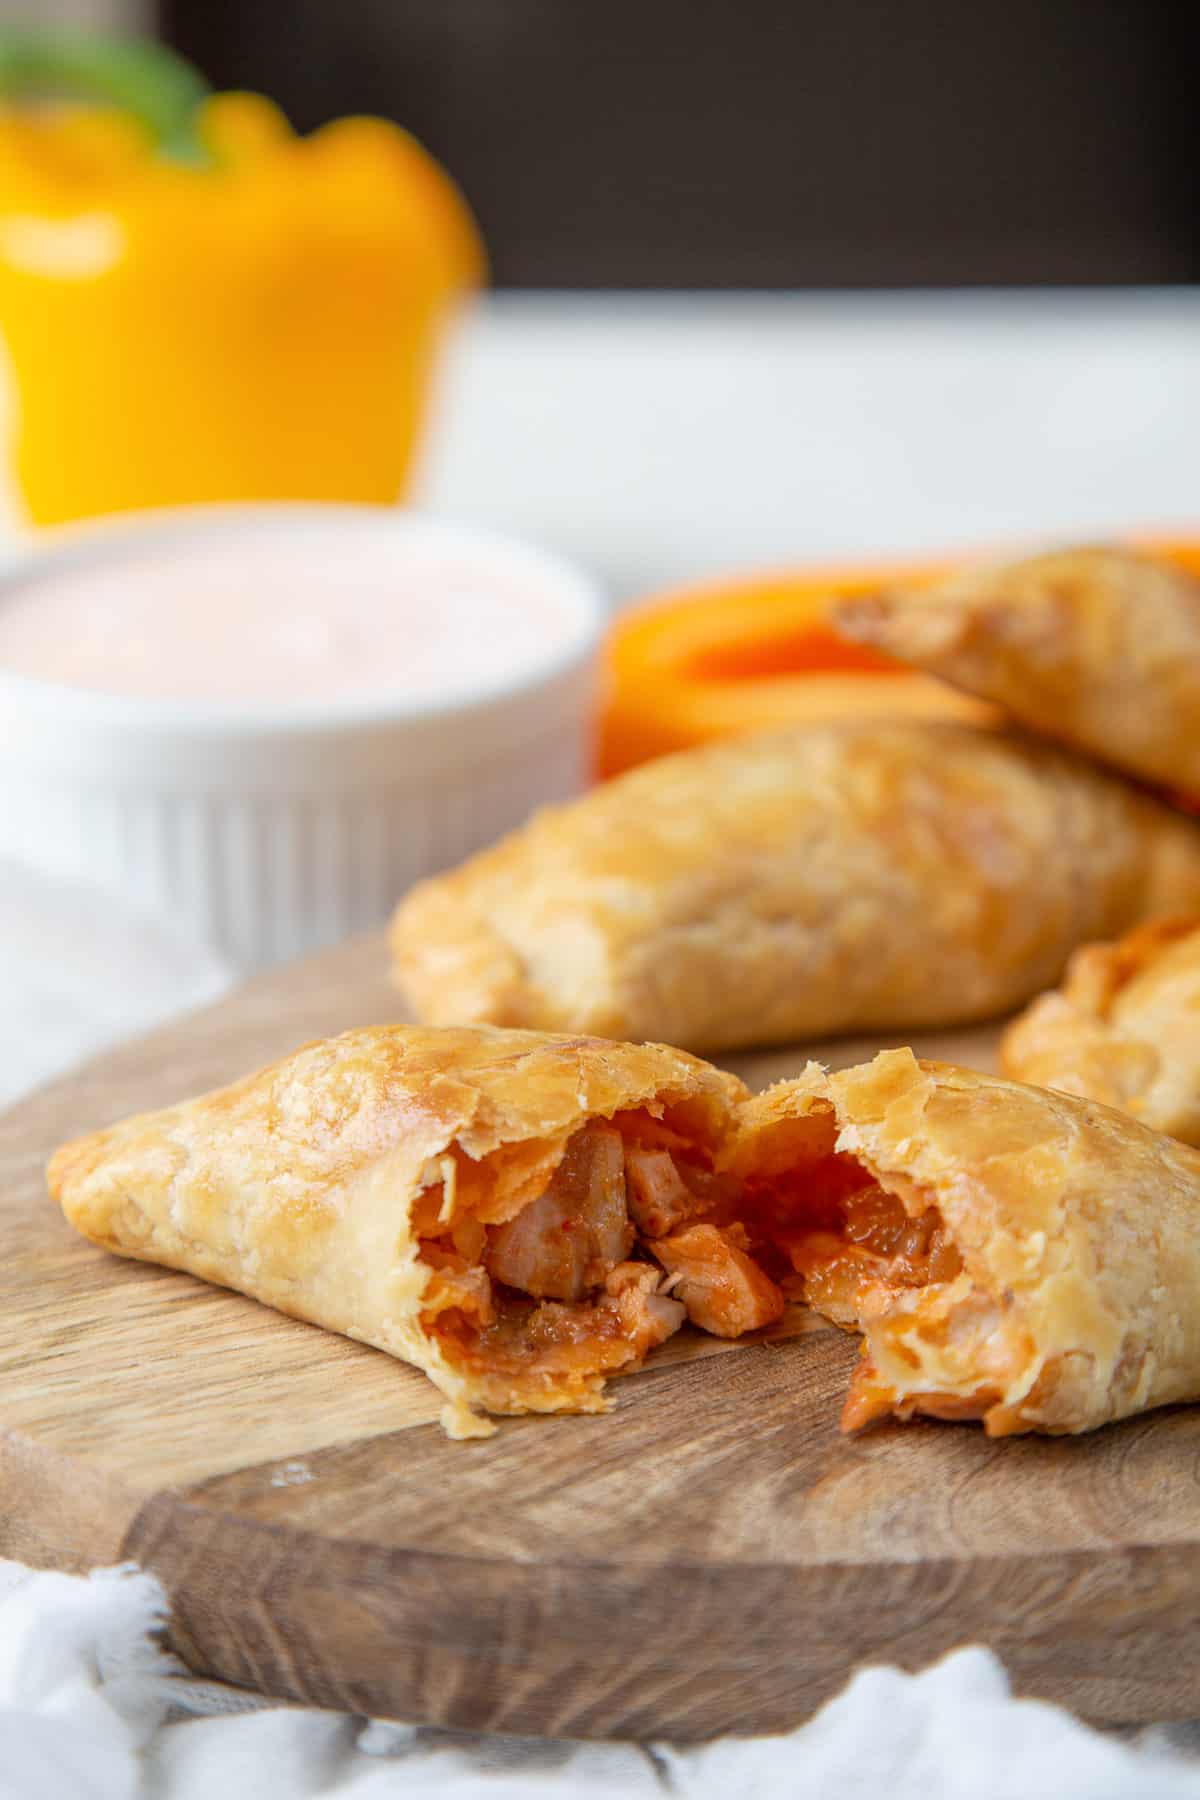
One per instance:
[(275, 613)]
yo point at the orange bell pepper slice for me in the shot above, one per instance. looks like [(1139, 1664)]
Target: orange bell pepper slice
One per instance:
[(750, 654), (756, 652)]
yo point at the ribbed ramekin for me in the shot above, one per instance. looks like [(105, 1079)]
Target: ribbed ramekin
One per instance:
[(271, 830)]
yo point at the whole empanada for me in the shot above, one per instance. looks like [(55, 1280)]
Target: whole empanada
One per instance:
[(1097, 647), (1124, 1028), (1011, 1255), (457, 1198), (835, 878)]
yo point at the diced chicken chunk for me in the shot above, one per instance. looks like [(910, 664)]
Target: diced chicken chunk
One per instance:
[(563, 1244), (648, 1317), (665, 1191), (723, 1289), (658, 1197)]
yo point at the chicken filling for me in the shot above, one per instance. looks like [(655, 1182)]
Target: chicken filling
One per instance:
[(888, 1267), (845, 1238), (634, 1233)]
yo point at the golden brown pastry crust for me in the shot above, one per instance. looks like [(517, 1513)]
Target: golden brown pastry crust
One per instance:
[(1079, 1231), (1123, 1029), (834, 878), (297, 1185), (1098, 647)]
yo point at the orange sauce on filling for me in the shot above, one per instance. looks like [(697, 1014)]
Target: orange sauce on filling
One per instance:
[(828, 1234), (525, 1335)]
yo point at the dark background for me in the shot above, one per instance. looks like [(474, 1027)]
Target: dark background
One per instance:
[(775, 143)]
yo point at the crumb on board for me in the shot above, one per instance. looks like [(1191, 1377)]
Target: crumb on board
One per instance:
[(458, 1421), (291, 1474)]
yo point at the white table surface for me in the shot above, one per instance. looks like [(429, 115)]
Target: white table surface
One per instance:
[(665, 437)]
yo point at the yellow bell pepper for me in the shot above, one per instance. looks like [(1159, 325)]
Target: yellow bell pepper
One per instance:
[(198, 305)]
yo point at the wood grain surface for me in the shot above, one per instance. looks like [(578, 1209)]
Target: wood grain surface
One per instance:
[(710, 1557)]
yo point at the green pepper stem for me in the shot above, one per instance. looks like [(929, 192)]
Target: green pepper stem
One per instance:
[(147, 80)]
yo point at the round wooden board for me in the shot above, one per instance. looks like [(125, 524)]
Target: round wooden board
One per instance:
[(710, 1557)]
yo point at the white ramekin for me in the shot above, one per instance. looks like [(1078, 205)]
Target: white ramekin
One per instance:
[(275, 829)]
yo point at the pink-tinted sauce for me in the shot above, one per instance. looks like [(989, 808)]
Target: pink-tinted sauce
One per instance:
[(271, 617)]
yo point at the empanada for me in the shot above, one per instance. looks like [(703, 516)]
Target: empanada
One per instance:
[(1009, 1254), (457, 1198), (499, 1208), (834, 878), (1097, 647), (1124, 1028)]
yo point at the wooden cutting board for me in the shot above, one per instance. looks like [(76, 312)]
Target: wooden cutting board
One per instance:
[(711, 1557)]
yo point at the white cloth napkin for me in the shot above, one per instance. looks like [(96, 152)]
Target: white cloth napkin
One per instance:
[(92, 1708), (77, 972)]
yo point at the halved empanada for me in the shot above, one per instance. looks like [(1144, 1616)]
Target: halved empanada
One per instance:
[(1098, 647), (499, 1208), (467, 1200), (838, 878), (1010, 1255), (1124, 1028)]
